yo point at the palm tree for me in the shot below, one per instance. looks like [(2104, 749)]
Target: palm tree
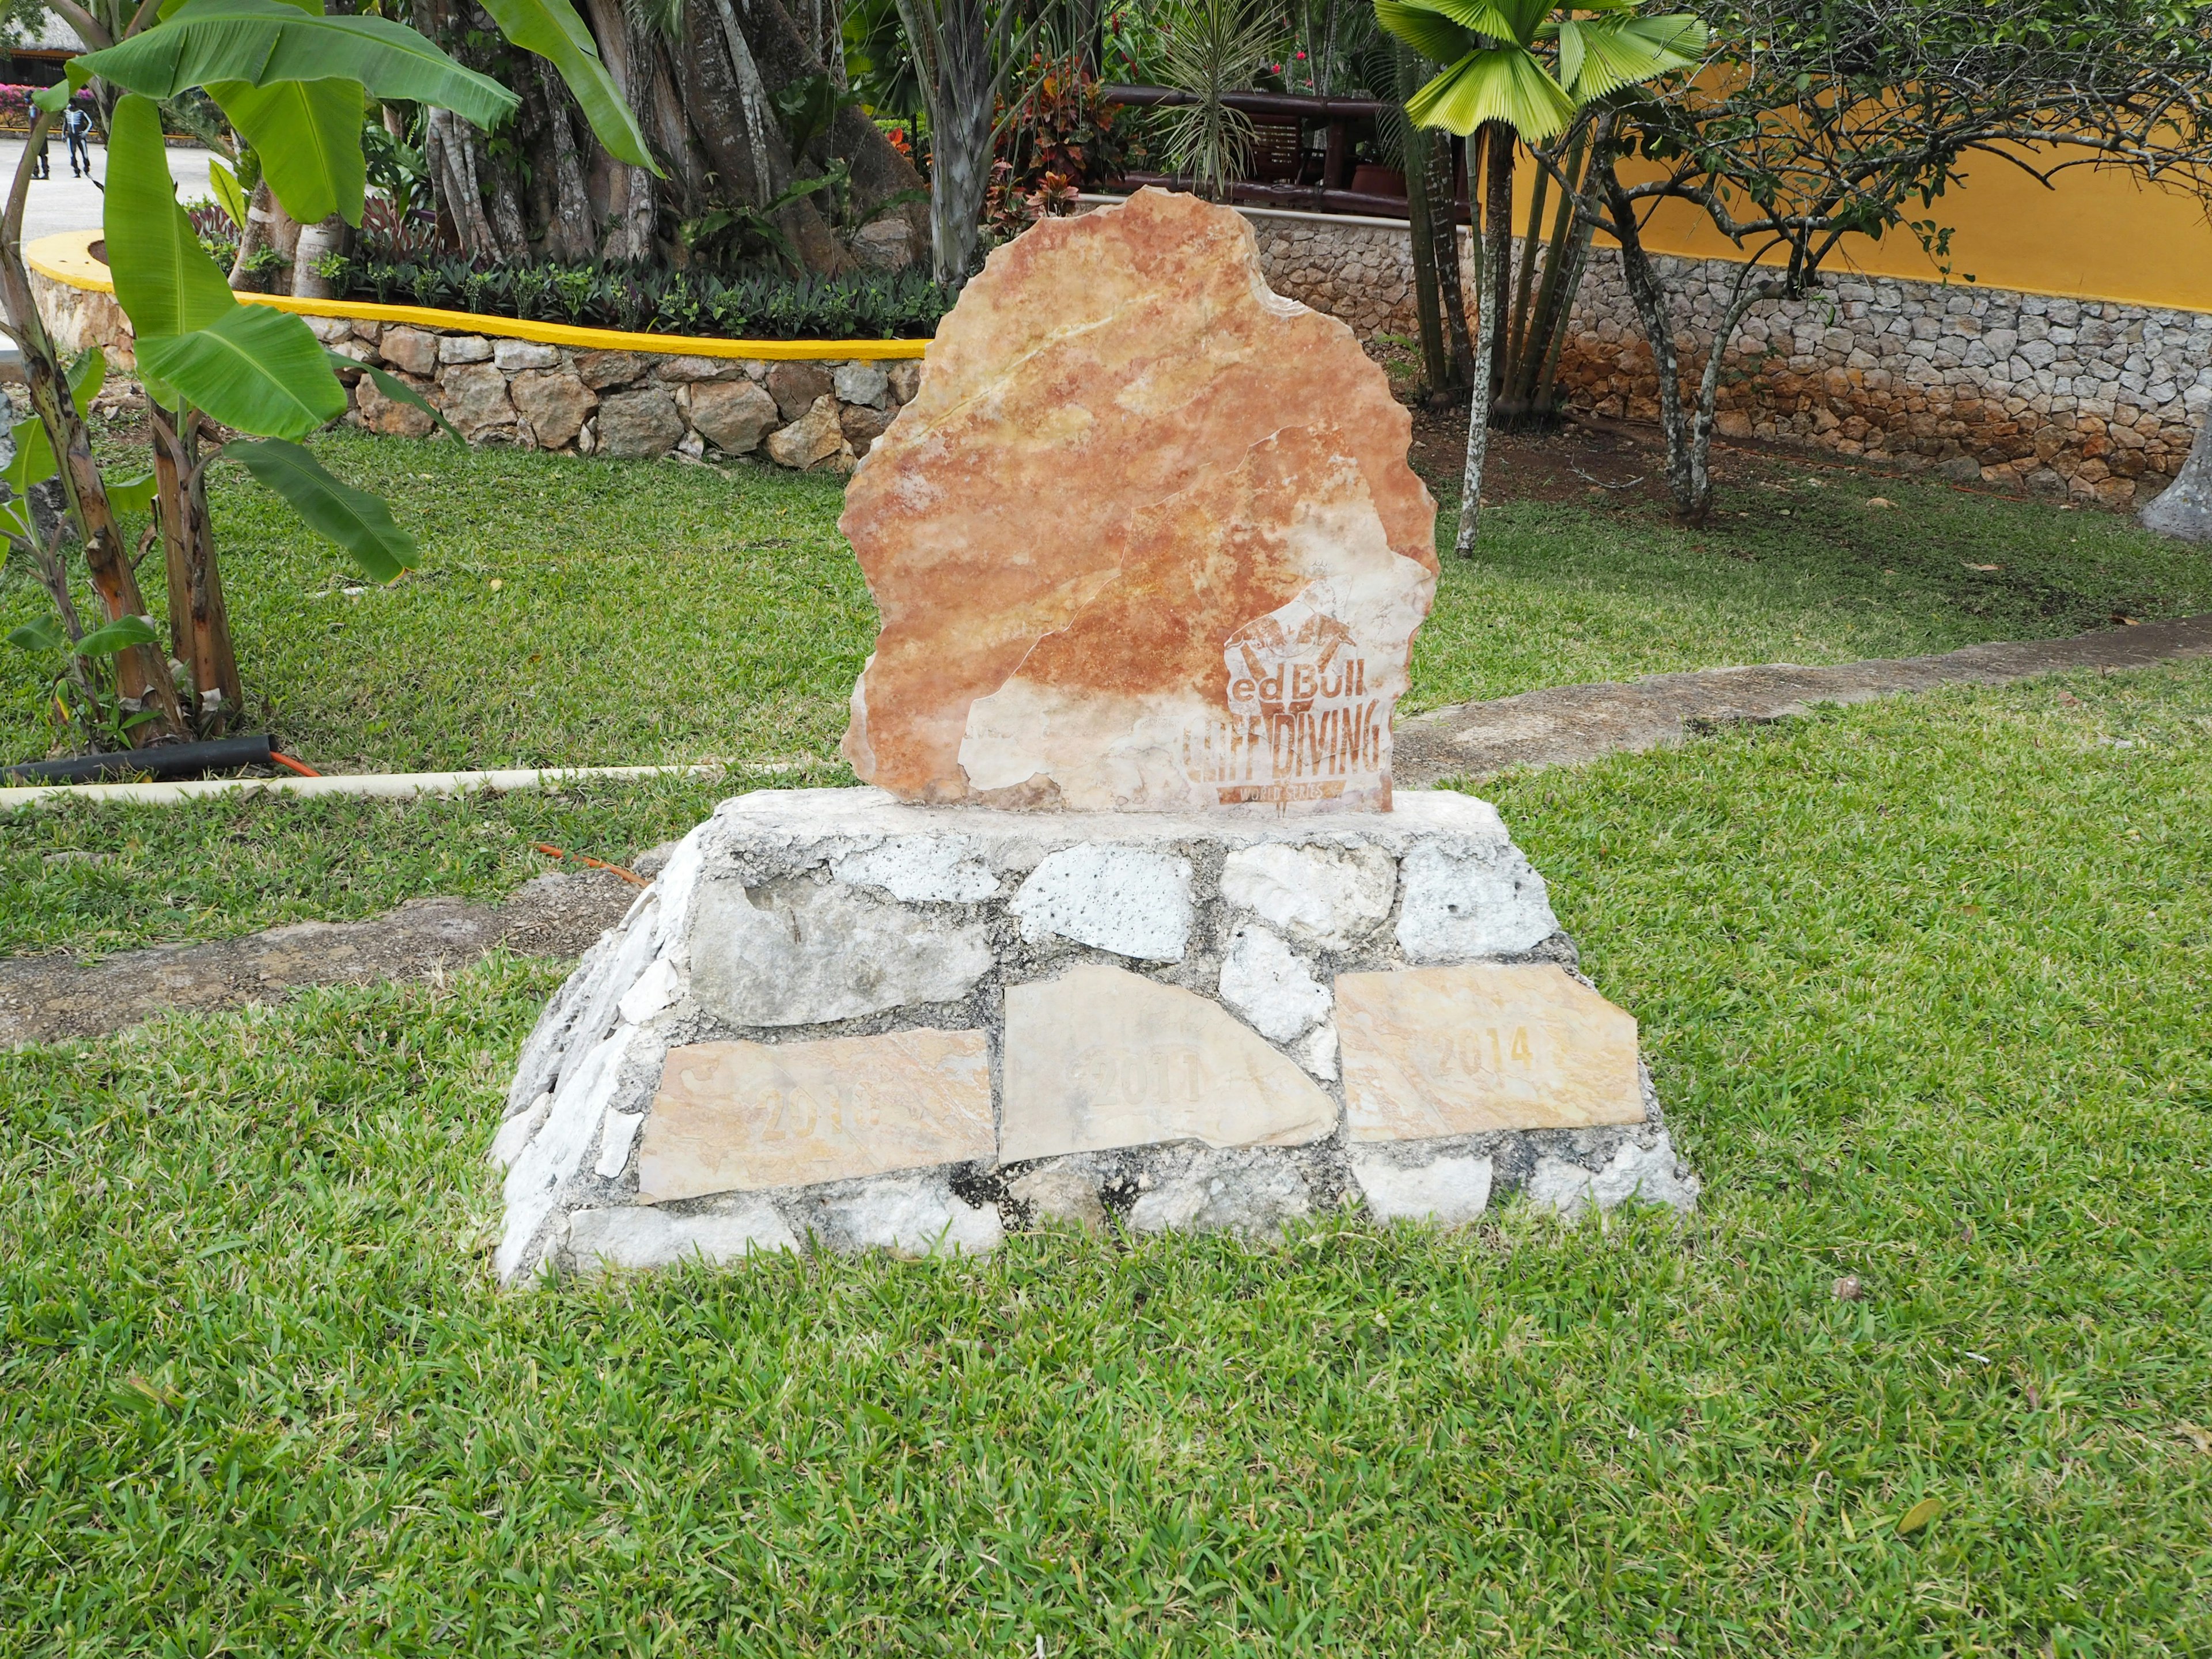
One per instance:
[(1495, 84)]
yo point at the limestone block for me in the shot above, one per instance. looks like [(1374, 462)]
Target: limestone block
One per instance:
[(515, 1133), (1265, 980), (1210, 1190), (1132, 900), (862, 426), (556, 405), (923, 869), (1482, 902), (512, 356), (905, 379), (464, 349), (635, 1239), (814, 440), (474, 398), (698, 369), (411, 350), (1429, 1052), (331, 329), (745, 1116), (793, 952), (1327, 897), (640, 424), (1649, 1173), (1056, 1194), (616, 1135), (1146, 539), (1451, 1191), (797, 387), (732, 415), (388, 416), (862, 383), (906, 1215), (1100, 1057), (602, 370)]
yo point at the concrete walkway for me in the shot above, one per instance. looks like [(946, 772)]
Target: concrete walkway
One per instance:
[(1568, 724), (61, 203)]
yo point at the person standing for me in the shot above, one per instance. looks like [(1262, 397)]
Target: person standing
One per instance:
[(76, 128), (41, 168)]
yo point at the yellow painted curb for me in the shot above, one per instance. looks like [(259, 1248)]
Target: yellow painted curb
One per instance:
[(67, 258)]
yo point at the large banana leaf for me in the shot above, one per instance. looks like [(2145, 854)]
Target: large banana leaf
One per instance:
[(307, 134), (355, 519), (259, 370), (1505, 83), (265, 41), (552, 30), (164, 280)]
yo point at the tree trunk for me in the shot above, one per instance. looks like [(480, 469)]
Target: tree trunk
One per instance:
[(704, 98), (267, 227), (199, 621), (318, 241), (2184, 507), (1428, 315), (141, 672), (1649, 295), (1497, 246), (1444, 237)]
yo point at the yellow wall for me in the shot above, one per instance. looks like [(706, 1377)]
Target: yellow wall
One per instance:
[(2095, 235)]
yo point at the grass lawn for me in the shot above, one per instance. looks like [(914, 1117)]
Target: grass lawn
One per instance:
[(1922, 983)]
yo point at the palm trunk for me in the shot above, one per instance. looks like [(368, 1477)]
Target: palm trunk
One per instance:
[(1436, 362), (1443, 235), (1498, 245)]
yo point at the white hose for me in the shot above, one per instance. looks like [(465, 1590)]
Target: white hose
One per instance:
[(387, 785)]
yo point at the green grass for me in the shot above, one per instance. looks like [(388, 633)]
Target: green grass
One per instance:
[(647, 613), (1923, 988)]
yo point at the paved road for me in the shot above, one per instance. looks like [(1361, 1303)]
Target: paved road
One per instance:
[(61, 203)]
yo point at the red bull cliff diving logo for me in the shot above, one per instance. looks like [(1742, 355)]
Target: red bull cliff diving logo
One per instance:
[(1301, 724)]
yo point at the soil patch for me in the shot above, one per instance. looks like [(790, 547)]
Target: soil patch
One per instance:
[(50, 997)]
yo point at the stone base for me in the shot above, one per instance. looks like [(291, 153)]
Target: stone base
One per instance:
[(836, 1021)]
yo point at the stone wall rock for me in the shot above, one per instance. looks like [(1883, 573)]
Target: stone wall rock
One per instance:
[(838, 1022), (622, 404), (2098, 400)]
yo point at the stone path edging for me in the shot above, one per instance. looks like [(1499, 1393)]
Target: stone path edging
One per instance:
[(1563, 725)]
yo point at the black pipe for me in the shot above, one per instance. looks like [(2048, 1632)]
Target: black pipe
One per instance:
[(173, 760)]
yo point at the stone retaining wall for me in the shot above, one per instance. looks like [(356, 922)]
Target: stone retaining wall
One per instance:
[(813, 416), (2096, 399), (2090, 398), (818, 416)]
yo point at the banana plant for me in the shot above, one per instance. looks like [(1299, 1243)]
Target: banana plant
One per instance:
[(293, 83), (1519, 71)]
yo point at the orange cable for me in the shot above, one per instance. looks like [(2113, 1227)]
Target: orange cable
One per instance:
[(553, 852), (290, 764)]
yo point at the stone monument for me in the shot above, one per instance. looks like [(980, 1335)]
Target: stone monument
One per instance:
[(1130, 930)]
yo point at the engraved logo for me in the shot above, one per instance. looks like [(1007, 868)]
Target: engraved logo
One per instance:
[(1301, 724)]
